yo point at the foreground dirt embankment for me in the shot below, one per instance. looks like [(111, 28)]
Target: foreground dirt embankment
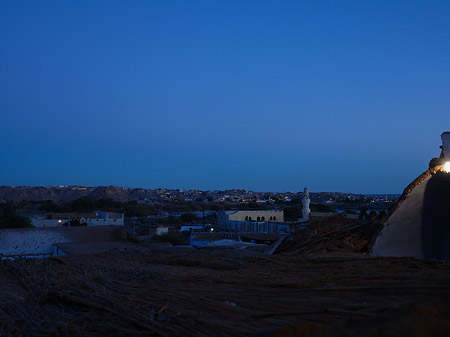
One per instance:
[(223, 292)]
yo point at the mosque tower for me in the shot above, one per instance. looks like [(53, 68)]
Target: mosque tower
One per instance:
[(305, 201)]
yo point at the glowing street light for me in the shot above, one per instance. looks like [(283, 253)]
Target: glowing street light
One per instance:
[(447, 167)]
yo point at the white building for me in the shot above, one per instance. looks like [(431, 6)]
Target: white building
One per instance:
[(189, 228), (265, 221), (265, 215), (97, 218)]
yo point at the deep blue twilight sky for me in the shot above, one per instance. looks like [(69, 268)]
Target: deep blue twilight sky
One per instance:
[(347, 96)]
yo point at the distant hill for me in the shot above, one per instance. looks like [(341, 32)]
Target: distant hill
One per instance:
[(121, 194), (65, 193), (110, 192)]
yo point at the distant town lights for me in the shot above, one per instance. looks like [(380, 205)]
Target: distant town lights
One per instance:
[(447, 167)]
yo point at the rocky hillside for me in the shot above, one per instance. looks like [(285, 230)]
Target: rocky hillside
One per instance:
[(64, 193)]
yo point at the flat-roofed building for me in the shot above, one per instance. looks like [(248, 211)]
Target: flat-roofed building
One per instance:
[(264, 221)]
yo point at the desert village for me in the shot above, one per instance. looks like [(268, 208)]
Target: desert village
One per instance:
[(250, 272)]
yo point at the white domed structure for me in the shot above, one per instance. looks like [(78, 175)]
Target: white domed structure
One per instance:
[(419, 223)]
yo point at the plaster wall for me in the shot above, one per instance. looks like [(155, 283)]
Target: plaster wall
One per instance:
[(257, 227), (105, 222), (45, 223), (241, 215)]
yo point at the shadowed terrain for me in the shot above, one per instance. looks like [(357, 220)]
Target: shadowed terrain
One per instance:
[(145, 291)]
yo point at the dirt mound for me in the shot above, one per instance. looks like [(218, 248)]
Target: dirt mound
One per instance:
[(186, 292)]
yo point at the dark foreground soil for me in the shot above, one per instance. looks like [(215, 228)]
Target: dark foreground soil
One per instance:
[(147, 291)]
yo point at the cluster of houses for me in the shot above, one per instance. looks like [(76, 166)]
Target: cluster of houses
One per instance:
[(97, 218), (238, 221), (53, 229)]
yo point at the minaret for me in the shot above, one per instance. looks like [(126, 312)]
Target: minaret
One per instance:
[(305, 201), (446, 150)]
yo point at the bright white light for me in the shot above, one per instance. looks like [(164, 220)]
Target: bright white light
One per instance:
[(447, 167)]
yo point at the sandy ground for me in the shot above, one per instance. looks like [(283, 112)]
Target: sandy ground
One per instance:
[(167, 291)]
